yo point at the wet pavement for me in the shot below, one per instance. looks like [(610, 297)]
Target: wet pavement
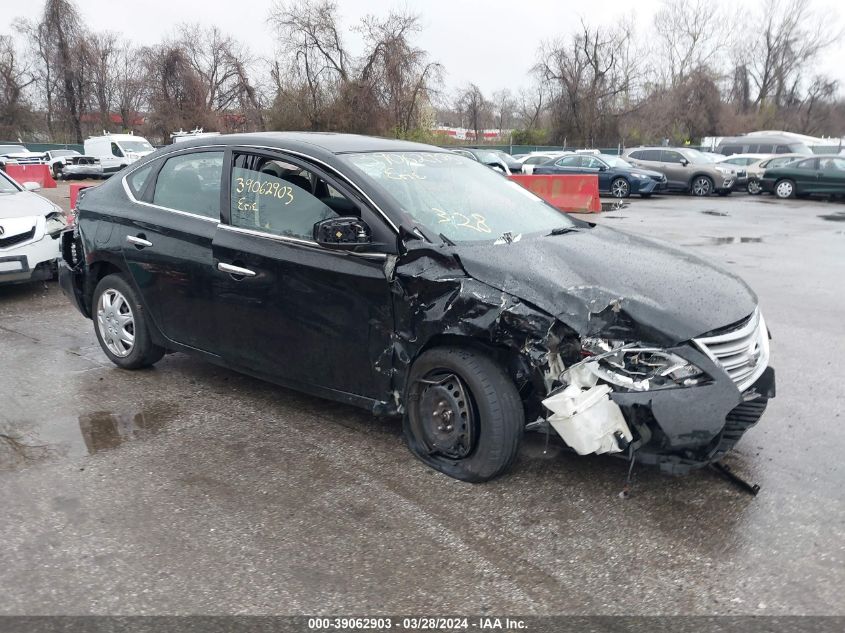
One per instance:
[(188, 488)]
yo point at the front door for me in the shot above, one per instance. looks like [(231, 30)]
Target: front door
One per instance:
[(287, 308), (167, 243)]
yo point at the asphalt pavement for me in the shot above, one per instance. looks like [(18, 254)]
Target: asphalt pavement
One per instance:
[(188, 488)]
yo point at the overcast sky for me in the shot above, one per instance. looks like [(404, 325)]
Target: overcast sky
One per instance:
[(490, 42)]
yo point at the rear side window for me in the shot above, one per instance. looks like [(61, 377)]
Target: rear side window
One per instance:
[(191, 183), (765, 149), (138, 178), (274, 196), (729, 150), (653, 155), (783, 149)]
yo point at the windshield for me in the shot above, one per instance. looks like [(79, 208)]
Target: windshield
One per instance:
[(615, 161), (136, 146), (456, 197), (6, 185), (694, 156), (12, 149)]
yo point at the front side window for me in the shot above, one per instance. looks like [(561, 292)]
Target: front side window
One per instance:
[(191, 183), (115, 150), (783, 149), (671, 157), (6, 185), (569, 161), (454, 197), (807, 164), (274, 196)]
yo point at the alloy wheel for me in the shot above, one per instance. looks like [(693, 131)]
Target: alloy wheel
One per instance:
[(754, 187), (701, 186), (116, 323), (619, 188)]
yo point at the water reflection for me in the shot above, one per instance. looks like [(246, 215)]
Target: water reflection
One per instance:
[(104, 430)]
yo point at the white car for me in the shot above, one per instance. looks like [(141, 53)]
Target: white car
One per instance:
[(19, 155), (529, 161), (57, 159), (30, 227)]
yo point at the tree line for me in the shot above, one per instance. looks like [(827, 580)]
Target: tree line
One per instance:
[(700, 67)]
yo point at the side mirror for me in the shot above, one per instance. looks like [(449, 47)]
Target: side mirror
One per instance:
[(684, 162), (31, 186), (602, 168), (343, 233), (498, 165)]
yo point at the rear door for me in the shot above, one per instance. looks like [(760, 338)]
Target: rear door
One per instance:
[(676, 172), (167, 242), (287, 308), (832, 175)]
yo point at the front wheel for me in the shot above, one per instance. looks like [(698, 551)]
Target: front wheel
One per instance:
[(785, 189), (463, 414), (754, 187), (620, 188), (120, 323), (701, 186)]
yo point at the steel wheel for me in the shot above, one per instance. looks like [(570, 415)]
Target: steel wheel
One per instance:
[(785, 189), (754, 187), (447, 420), (620, 188), (116, 323), (702, 186)]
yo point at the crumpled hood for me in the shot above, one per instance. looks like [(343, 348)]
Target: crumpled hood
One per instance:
[(24, 204), (598, 276)]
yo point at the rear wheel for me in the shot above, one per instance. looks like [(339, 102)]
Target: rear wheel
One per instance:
[(754, 188), (785, 189), (120, 323), (57, 172), (620, 188), (701, 186), (464, 416)]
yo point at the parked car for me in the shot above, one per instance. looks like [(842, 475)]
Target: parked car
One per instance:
[(56, 158), (30, 227), (756, 164), (616, 176), (414, 282), (83, 167), (530, 161), (491, 157), (761, 144), (815, 175), (116, 151), (20, 155), (685, 169)]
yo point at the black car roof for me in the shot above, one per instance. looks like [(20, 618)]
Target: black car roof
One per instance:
[(307, 142)]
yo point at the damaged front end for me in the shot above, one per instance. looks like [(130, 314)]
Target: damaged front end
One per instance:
[(679, 408)]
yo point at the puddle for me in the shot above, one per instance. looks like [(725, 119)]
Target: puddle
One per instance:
[(734, 240), (721, 214), (834, 217), (23, 444), (616, 217)]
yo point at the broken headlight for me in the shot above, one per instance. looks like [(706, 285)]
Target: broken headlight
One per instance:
[(639, 368), (55, 224)]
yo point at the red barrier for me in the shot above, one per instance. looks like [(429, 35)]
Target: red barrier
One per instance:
[(570, 192), (32, 173), (74, 193)]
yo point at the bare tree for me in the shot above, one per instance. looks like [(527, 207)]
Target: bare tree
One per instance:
[(692, 34), (591, 79), (788, 38), (103, 51), (64, 34), (505, 106), (475, 109), (398, 73), (130, 86), (15, 77)]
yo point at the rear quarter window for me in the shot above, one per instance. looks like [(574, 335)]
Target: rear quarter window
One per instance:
[(138, 178), (191, 183)]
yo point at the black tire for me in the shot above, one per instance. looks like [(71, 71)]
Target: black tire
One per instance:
[(57, 172), (495, 417), (143, 352), (620, 188), (701, 186), (784, 188)]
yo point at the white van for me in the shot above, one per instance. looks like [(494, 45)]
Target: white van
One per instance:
[(116, 151)]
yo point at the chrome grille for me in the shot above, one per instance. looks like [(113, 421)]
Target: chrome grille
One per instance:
[(742, 352)]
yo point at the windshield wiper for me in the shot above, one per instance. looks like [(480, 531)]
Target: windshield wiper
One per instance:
[(563, 230), (446, 239)]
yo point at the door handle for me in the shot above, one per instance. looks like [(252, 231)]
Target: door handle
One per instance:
[(236, 271), (139, 242)]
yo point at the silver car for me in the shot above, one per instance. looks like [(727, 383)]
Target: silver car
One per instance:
[(686, 169)]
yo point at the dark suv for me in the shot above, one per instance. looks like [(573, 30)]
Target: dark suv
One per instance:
[(417, 283)]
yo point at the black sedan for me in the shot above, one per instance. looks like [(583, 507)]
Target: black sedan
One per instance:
[(616, 176), (416, 283)]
